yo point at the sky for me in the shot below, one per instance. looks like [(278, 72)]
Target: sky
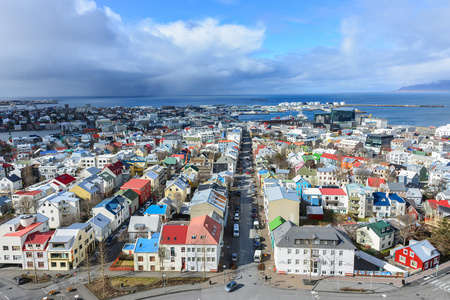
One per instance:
[(52, 48)]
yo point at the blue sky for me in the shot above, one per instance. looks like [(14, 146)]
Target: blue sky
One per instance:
[(152, 47)]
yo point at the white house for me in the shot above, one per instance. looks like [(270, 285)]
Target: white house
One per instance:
[(62, 208), (312, 250), (116, 209), (379, 235)]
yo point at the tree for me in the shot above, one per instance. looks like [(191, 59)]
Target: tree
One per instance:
[(441, 237), (408, 228), (178, 199), (87, 262), (28, 175), (102, 255), (26, 205)]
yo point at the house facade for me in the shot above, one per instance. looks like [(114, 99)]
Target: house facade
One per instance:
[(315, 251), (419, 255)]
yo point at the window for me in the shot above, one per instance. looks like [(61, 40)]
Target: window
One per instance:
[(340, 263), (75, 251), (289, 251), (297, 251), (402, 259), (382, 246), (426, 265), (63, 265), (41, 264), (405, 251), (183, 249), (305, 251), (324, 272), (15, 248), (188, 249), (53, 265), (413, 264), (29, 254), (17, 257), (29, 264), (152, 258), (199, 249), (332, 252), (324, 262), (341, 253), (140, 258), (324, 252), (305, 262), (331, 272), (172, 259), (5, 248), (411, 254), (213, 259), (141, 268), (40, 255), (297, 261), (189, 259), (152, 268)]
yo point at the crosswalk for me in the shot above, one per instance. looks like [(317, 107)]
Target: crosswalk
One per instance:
[(442, 285)]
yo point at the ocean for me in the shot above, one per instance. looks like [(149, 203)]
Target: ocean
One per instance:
[(420, 116)]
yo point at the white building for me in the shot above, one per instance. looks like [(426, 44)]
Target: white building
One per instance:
[(60, 208), (312, 250), (379, 235)]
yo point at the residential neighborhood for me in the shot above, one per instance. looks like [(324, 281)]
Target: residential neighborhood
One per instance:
[(179, 189)]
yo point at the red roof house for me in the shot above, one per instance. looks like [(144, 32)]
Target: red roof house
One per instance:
[(140, 186), (62, 183), (417, 255)]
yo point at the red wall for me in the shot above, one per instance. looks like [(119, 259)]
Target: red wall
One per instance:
[(420, 264)]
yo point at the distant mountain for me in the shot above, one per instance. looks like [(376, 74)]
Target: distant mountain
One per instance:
[(437, 86)]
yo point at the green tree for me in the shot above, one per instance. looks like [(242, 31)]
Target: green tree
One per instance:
[(441, 237)]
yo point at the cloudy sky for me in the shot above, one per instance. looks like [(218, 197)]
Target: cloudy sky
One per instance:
[(53, 48)]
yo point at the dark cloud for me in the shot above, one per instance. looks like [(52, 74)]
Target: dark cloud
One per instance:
[(74, 48)]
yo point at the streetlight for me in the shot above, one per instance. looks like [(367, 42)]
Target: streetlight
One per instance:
[(224, 266), (371, 276), (164, 279)]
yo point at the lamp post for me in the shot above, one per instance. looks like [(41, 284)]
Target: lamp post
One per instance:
[(164, 280), (224, 266), (371, 277)]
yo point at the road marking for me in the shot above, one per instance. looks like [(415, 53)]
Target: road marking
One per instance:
[(434, 281), (4, 296), (434, 289)]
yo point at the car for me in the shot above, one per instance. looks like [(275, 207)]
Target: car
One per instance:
[(257, 245), (248, 172), (254, 215), (141, 211), (110, 240), (230, 286), (236, 216), (234, 257), (147, 203), (123, 227), (238, 207), (19, 280), (257, 238), (254, 210)]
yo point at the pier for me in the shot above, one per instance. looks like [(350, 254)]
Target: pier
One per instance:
[(390, 105)]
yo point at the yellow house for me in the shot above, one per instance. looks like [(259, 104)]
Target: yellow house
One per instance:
[(141, 151), (279, 202), (178, 189), (85, 190), (67, 248)]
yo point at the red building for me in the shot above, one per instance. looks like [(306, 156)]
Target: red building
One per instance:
[(417, 255), (140, 186)]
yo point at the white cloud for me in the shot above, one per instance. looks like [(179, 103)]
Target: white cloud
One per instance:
[(73, 47)]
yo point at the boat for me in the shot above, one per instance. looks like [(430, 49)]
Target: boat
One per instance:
[(301, 116)]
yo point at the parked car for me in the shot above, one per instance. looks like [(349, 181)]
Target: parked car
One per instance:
[(110, 240), (141, 210), (231, 286), (257, 245), (147, 203), (19, 280), (257, 238), (123, 227), (236, 216), (234, 257)]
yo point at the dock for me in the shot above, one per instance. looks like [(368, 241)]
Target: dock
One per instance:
[(390, 105)]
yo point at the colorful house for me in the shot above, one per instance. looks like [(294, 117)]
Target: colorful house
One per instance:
[(419, 255), (140, 186)]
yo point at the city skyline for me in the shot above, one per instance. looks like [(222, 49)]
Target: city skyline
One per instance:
[(116, 48)]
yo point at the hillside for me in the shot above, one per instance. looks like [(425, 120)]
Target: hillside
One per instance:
[(437, 86)]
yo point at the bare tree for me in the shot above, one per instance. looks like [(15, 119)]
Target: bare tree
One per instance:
[(87, 262), (178, 199), (26, 205), (102, 255), (28, 176), (408, 228)]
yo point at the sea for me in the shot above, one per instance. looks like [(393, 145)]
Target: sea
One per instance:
[(413, 116)]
